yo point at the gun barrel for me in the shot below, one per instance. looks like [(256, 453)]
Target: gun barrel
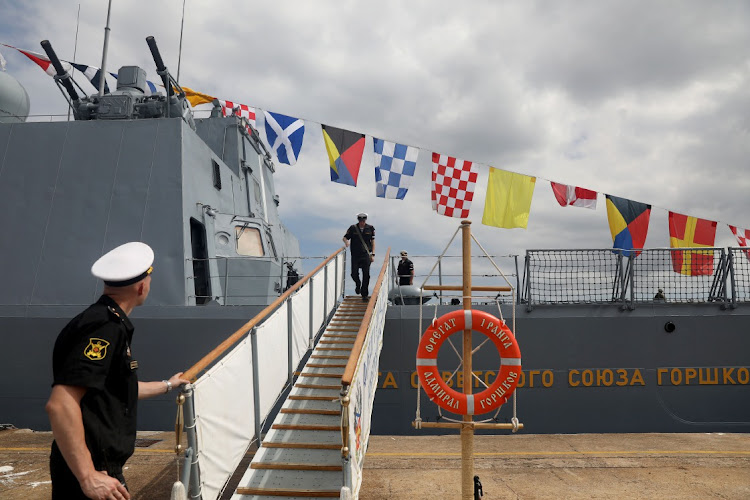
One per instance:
[(160, 67), (62, 75)]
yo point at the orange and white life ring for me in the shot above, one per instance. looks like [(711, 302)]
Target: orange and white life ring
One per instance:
[(510, 362)]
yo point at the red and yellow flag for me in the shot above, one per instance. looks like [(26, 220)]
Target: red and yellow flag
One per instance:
[(691, 232)]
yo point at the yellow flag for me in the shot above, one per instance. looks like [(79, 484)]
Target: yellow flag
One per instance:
[(196, 98), (508, 199)]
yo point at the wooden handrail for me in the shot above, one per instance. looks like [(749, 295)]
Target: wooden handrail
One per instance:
[(351, 365), (192, 373)]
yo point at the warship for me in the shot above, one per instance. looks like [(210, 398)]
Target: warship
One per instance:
[(610, 343)]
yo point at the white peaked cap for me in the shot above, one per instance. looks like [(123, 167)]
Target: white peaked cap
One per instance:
[(124, 265), (362, 214)]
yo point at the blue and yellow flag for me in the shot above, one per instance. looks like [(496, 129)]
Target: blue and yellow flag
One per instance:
[(345, 150), (628, 223)]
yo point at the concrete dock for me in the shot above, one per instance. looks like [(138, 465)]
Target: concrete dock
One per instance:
[(522, 466)]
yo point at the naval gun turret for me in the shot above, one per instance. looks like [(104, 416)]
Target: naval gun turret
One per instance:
[(130, 101)]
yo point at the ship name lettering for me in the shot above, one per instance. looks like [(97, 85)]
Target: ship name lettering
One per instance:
[(604, 377), (389, 382), (535, 378), (726, 375)]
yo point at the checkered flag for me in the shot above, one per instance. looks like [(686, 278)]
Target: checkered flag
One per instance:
[(394, 168), (743, 238), (229, 108), (453, 184)]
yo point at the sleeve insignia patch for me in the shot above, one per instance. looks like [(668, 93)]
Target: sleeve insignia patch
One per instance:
[(96, 350)]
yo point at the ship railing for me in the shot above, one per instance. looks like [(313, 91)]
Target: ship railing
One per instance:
[(650, 276), (358, 385), (223, 409), (49, 118), (449, 272), (247, 282)]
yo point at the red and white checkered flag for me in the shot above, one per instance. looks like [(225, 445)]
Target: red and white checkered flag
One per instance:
[(453, 184), (229, 108), (743, 238)]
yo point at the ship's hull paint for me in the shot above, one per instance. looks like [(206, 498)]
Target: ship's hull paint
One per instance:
[(591, 358)]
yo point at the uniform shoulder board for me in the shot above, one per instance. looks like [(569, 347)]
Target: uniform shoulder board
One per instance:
[(113, 311)]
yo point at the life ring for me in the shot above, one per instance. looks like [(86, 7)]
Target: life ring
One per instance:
[(510, 362)]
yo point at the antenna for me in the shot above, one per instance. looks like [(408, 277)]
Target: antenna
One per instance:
[(104, 51), (75, 44), (179, 52)]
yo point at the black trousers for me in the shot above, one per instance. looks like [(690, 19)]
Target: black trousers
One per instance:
[(362, 263), (64, 483)]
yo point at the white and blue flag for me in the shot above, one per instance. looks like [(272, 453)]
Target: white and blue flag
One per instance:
[(394, 168), (93, 75), (284, 135)]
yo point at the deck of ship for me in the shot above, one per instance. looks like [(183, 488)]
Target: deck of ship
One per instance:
[(522, 466)]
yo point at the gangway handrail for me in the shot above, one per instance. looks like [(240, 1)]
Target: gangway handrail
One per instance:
[(351, 365), (192, 372)]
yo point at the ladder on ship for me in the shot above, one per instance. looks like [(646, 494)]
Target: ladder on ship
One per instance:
[(300, 457)]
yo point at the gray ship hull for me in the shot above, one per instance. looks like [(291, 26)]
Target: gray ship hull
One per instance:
[(593, 369)]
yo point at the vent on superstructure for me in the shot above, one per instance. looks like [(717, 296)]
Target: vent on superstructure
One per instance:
[(217, 175)]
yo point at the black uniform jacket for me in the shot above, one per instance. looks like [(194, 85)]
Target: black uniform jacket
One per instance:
[(368, 234), (93, 351), (405, 268)]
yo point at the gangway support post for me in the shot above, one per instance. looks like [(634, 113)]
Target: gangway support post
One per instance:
[(467, 431)]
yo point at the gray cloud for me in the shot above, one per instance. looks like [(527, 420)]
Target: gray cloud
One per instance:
[(644, 100)]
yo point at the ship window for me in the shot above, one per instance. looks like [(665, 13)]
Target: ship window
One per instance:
[(217, 175), (248, 241)]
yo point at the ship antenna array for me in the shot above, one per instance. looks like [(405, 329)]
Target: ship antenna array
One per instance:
[(104, 51)]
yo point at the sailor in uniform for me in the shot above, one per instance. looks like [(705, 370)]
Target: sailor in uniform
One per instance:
[(405, 270), (92, 407), (360, 237)]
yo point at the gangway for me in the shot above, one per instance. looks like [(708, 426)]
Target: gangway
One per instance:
[(316, 444), (301, 455)]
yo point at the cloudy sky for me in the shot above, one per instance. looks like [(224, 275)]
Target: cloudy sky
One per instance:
[(644, 100)]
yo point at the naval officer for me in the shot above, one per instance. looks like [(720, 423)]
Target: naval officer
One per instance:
[(360, 237), (92, 408)]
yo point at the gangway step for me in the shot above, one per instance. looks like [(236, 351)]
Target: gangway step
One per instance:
[(313, 398), (297, 483), (304, 427), (317, 386), (303, 411), (279, 466), (306, 446), (275, 493), (325, 393), (328, 356)]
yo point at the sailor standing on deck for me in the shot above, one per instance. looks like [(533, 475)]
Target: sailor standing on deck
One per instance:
[(405, 270), (92, 408), (362, 238)]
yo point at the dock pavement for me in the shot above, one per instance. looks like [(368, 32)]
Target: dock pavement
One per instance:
[(520, 466)]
